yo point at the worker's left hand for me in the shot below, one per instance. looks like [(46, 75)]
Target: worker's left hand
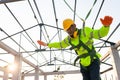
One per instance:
[(106, 21)]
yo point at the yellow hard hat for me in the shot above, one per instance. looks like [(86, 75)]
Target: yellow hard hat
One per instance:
[(67, 23)]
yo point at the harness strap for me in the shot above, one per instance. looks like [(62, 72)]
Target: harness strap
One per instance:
[(80, 43), (91, 52), (80, 56)]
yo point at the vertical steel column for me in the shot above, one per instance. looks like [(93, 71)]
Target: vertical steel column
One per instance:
[(116, 60), (45, 77), (5, 77), (17, 72), (22, 76), (37, 73)]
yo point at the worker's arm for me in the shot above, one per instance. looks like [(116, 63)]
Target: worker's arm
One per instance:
[(63, 44), (103, 31)]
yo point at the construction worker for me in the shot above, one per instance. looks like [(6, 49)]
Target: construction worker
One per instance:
[(81, 41)]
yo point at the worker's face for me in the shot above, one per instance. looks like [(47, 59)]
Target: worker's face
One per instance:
[(71, 30)]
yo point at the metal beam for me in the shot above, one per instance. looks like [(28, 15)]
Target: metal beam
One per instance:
[(16, 74), (54, 73), (36, 73), (116, 60), (6, 73), (15, 53), (2, 68), (7, 1)]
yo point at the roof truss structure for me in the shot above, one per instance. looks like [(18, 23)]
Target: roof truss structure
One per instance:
[(23, 22)]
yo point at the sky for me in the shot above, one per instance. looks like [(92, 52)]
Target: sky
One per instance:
[(22, 16)]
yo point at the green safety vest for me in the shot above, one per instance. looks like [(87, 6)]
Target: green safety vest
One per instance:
[(91, 52), (86, 37)]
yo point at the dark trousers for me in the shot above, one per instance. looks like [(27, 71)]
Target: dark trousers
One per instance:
[(91, 72)]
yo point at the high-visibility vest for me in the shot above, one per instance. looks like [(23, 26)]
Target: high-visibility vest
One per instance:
[(87, 36), (91, 52)]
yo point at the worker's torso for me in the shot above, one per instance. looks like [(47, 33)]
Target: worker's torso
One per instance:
[(86, 39)]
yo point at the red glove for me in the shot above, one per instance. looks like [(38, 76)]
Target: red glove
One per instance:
[(41, 43), (106, 21)]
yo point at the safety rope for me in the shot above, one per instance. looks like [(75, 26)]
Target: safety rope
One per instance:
[(88, 16), (83, 20), (73, 11), (90, 10)]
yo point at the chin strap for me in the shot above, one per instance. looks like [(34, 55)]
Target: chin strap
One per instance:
[(75, 33)]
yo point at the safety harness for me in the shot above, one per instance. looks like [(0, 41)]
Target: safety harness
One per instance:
[(91, 52)]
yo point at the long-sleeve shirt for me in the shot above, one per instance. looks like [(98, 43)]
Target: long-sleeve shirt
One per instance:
[(87, 35)]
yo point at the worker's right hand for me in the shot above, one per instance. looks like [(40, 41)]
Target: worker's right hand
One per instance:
[(41, 43), (106, 21)]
